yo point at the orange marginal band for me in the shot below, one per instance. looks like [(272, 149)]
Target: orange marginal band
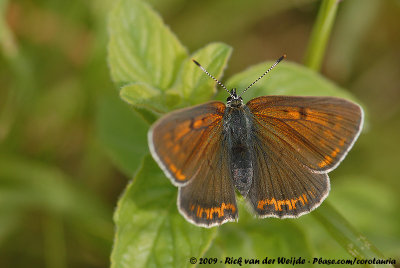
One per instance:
[(290, 203), (210, 211)]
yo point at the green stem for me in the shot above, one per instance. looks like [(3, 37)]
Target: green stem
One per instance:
[(320, 34), (344, 233)]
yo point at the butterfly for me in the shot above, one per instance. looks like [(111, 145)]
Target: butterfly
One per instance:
[(275, 151)]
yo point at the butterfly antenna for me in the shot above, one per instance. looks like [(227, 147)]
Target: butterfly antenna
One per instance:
[(272, 67), (215, 79)]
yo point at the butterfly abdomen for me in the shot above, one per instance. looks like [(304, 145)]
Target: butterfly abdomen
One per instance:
[(237, 134)]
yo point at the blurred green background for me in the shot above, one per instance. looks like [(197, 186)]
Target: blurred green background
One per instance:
[(60, 116)]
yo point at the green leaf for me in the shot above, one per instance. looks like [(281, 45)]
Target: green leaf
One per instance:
[(142, 95), (150, 231), (141, 47), (122, 132), (286, 79), (195, 86)]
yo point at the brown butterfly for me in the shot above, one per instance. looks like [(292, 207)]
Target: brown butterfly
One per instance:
[(275, 150)]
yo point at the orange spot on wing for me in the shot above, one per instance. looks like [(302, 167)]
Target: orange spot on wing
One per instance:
[(198, 123), (199, 211), (335, 152), (206, 121), (322, 164), (289, 204), (261, 204), (294, 114), (176, 149), (172, 167), (169, 144), (328, 134), (273, 201), (294, 203), (316, 117), (284, 202), (341, 142), (280, 203), (179, 175), (174, 170), (305, 198), (325, 162), (301, 200), (181, 130), (338, 124)]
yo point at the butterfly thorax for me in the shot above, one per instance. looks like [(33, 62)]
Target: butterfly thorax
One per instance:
[(237, 135)]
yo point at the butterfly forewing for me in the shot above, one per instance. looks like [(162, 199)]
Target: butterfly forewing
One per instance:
[(178, 140), (317, 131), (188, 144)]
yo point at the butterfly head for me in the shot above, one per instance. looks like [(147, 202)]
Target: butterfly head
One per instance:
[(234, 100)]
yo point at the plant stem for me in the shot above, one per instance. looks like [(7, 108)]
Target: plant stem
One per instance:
[(320, 34), (344, 233)]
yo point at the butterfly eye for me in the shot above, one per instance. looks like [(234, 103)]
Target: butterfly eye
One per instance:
[(229, 98)]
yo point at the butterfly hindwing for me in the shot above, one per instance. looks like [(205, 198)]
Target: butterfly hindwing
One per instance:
[(209, 198), (188, 144), (282, 187)]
